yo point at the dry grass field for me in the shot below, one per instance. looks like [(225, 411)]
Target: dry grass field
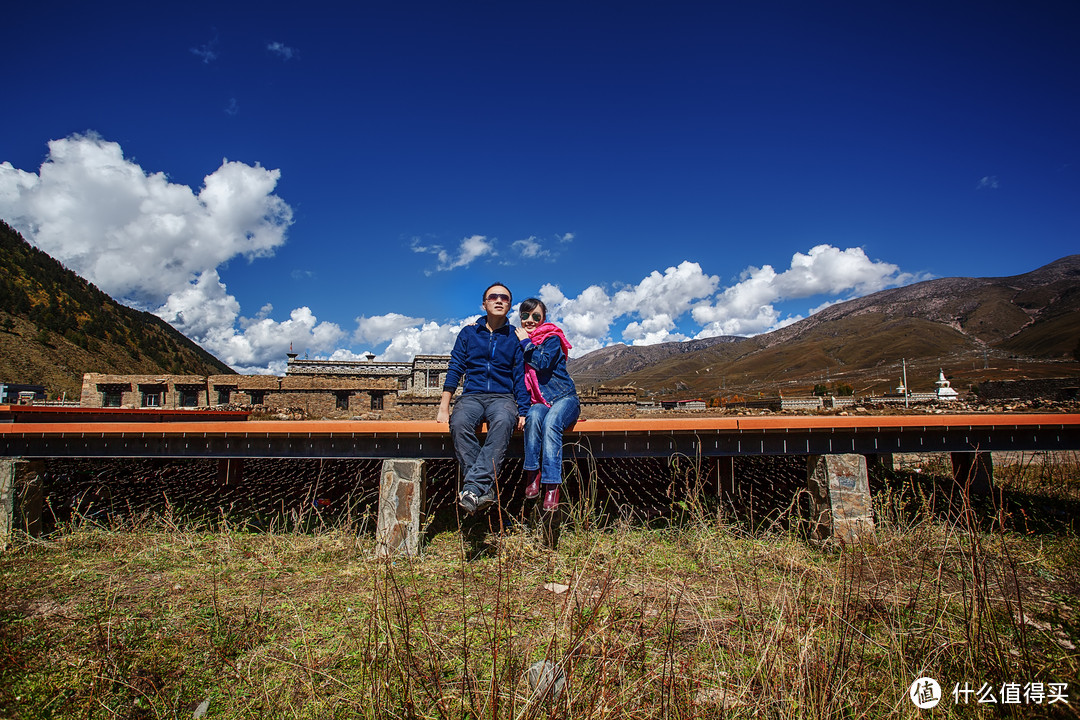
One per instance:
[(702, 616)]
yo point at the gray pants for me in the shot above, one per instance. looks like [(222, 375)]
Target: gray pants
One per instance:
[(481, 463)]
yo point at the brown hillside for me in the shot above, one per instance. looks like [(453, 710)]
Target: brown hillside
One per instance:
[(972, 328), (55, 326)]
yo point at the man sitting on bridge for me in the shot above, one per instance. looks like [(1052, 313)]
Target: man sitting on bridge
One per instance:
[(489, 355)]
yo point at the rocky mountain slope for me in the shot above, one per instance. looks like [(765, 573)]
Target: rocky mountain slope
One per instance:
[(55, 326)]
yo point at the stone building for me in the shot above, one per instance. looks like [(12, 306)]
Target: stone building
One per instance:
[(332, 389), (309, 388)]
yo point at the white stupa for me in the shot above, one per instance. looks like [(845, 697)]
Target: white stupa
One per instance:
[(944, 388)]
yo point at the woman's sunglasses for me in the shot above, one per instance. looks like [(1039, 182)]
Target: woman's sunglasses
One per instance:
[(538, 317)]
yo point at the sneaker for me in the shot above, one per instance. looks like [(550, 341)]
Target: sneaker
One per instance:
[(468, 501), (486, 500), (471, 504)]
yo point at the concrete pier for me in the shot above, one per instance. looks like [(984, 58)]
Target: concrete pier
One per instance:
[(402, 489), (840, 498)]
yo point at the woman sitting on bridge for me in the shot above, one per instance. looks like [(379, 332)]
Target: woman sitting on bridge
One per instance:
[(555, 406)]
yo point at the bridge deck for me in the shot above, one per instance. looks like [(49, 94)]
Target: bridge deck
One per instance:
[(746, 435)]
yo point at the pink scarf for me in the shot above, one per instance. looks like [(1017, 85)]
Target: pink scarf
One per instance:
[(539, 334)]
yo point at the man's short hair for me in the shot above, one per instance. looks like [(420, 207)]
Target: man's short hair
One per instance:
[(483, 298)]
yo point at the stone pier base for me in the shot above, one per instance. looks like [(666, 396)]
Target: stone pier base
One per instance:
[(840, 498), (401, 507), (7, 500)]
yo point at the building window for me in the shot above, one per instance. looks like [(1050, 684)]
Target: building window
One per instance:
[(111, 397), (224, 395), (189, 397), (403, 383), (432, 378), (342, 400), (151, 398), (257, 396), (376, 401)]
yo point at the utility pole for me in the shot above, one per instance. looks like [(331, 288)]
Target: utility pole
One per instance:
[(907, 392)]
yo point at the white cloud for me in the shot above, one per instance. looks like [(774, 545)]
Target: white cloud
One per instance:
[(533, 248), (652, 330), (281, 49), (381, 328), (826, 270), (232, 108), (530, 249), (658, 299), (746, 308), (207, 52), (157, 244), (470, 249), (989, 182), (134, 234), (670, 293), (430, 339)]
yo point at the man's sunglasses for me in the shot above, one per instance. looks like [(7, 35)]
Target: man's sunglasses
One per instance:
[(498, 296), (535, 316)]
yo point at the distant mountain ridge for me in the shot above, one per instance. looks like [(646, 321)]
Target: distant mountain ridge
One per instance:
[(55, 326), (949, 321)]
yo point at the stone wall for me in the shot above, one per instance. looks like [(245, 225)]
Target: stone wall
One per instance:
[(167, 392), (358, 390), (1059, 389)]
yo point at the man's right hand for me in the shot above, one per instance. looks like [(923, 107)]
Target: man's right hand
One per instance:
[(443, 415)]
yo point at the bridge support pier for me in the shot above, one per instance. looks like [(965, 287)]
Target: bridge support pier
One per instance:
[(973, 471), (840, 498), (20, 487), (401, 503), (7, 500)]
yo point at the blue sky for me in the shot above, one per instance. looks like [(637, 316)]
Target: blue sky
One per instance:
[(349, 180)]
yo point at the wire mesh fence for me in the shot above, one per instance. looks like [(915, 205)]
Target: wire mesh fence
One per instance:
[(262, 494), (308, 494)]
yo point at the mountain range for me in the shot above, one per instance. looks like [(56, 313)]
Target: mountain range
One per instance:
[(55, 326), (972, 329)]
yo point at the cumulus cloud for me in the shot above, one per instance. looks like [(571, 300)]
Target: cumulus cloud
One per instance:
[(989, 182), (431, 338), (469, 250), (652, 330), (652, 310), (656, 300), (209, 315), (157, 245), (747, 308), (281, 49), (379, 329), (134, 234)]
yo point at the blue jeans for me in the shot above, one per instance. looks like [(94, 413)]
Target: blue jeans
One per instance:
[(481, 463), (544, 427)]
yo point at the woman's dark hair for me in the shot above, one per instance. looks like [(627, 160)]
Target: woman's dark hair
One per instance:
[(529, 303)]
